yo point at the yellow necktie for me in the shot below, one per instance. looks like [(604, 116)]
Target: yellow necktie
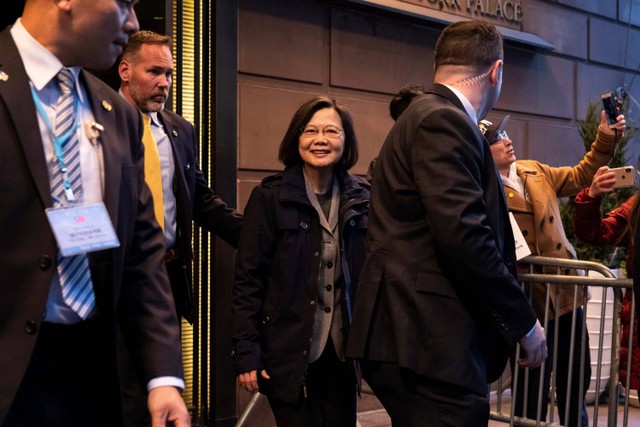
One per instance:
[(152, 169)]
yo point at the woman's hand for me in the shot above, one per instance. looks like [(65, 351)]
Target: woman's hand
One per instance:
[(620, 125), (602, 183)]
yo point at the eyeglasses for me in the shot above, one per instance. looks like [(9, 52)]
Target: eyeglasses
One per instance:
[(331, 132), (500, 135)]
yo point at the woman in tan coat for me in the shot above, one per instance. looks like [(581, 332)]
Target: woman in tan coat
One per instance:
[(532, 190)]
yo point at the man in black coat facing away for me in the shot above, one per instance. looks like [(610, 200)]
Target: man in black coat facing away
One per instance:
[(438, 309)]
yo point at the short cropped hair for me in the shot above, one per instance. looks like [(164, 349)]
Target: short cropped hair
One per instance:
[(139, 38), (289, 154), (469, 43), (403, 98)]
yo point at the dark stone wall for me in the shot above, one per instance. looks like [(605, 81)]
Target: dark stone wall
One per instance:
[(290, 50)]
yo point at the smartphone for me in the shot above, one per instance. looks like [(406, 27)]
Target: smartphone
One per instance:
[(610, 109), (625, 176)]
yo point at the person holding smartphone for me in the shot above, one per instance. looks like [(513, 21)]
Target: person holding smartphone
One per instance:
[(613, 229), (532, 190)]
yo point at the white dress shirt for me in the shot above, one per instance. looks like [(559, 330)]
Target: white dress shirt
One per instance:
[(42, 68)]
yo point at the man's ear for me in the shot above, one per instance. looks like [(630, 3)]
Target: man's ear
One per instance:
[(63, 4), (124, 70), (496, 72)]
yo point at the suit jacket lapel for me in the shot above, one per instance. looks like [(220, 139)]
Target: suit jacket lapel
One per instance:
[(173, 133), (16, 94)]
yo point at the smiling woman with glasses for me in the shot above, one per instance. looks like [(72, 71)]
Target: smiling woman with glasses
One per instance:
[(298, 261), (329, 132)]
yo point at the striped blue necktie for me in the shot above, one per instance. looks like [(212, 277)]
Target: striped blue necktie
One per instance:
[(74, 273)]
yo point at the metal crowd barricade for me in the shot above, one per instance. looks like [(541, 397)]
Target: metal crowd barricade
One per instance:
[(609, 392), (504, 391)]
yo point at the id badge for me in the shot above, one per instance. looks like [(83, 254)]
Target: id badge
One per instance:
[(522, 248), (82, 228)]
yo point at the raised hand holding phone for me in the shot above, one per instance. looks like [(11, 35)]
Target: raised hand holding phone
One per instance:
[(625, 176)]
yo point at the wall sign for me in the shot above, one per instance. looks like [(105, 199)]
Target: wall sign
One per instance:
[(507, 13)]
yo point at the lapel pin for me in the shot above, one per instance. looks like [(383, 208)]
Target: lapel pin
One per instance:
[(97, 126), (174, 132), (106, 106), (4, 76)]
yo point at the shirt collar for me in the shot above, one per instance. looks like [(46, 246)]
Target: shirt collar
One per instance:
[(513, 171), (465, 103), (154, 117), (41, 65), (513, 180)]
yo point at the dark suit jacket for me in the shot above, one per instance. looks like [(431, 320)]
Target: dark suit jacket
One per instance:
[(130, 282), (436, 293), (195, 200)]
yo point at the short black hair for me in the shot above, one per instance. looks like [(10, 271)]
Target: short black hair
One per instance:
[(403, 98)]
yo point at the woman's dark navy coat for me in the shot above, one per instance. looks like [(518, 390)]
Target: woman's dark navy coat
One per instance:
[(276, 280)]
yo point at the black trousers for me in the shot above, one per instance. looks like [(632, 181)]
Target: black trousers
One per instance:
[(412, 400), (134, 391), (564, 384), (63, 384), (330, 399)]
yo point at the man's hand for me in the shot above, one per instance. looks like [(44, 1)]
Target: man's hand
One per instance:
[(249, 380), (533, 348), (167, 407)]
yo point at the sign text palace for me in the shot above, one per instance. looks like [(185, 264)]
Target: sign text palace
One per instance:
[(507, 13)]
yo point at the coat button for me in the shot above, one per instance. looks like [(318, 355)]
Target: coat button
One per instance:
[(327, 309), (316, 254), (304, 225), (44, 262), (329, 264), (304, 353), (352, 223), (329, 287), (31, 327), (312, 302)]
